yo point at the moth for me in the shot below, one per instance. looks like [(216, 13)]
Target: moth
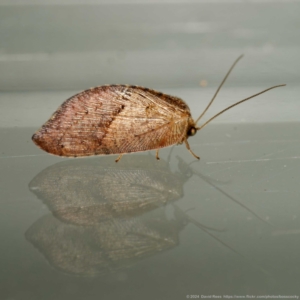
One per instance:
[(119, 119)]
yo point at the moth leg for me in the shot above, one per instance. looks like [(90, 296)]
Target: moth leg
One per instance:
[(119, 157), (157, 157), (188, 147)]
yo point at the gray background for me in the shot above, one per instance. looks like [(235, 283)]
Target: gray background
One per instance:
[(50, 50)]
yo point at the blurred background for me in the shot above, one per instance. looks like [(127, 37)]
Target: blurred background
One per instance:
[(165, 45), (59, 45), (50, 50)]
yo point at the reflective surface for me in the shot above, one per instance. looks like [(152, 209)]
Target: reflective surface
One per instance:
[(85, 227), (228, 224)]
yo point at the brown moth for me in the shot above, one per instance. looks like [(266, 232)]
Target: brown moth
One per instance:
[(119, 119)]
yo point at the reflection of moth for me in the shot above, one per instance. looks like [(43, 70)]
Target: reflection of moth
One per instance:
[(88, 191), (107, 217), (118, 119), (109, 246)]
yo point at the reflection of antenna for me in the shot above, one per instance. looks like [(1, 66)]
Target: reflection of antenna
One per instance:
[(209, 182), (184, 215), (203, 227), (207, 229), (233, 199)]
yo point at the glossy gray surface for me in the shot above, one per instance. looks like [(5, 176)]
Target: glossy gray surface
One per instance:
[(228, 224)]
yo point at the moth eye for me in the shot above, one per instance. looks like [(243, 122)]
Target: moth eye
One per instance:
[(192, 131)]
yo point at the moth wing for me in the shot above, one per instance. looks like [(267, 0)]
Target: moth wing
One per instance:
[(114, 119)]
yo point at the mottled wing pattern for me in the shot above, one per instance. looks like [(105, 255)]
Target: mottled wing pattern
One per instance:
[(114, 119)]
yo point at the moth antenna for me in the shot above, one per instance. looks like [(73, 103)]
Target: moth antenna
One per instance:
[(237, 103), (220, 86)]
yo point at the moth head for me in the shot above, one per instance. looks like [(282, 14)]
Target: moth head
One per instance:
[(192, 131)]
